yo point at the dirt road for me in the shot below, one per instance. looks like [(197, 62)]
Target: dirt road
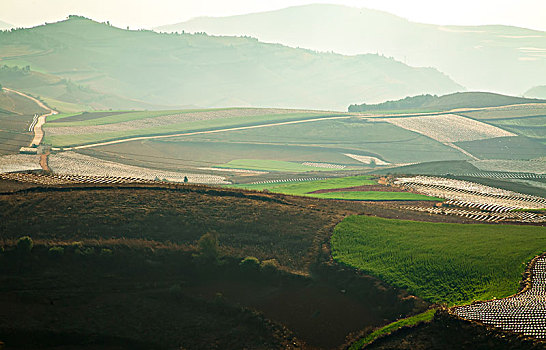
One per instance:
[(38, 131)]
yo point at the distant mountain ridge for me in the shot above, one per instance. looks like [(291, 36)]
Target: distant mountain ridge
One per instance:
[(446, 102), (536, 92), (502, 59), (207, 71), (5, 25)]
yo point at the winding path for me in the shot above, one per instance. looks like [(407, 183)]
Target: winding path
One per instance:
[(38, 131)]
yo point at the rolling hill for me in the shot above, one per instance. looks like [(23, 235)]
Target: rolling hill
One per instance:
[(446, 102), (200, 70), (487, 58)]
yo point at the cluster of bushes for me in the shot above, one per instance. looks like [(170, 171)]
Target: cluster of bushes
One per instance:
[(253, 264)]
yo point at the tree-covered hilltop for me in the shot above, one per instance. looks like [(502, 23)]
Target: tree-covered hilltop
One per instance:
[(437, 103), (201, 70)]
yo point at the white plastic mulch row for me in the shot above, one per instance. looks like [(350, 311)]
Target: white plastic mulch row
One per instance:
[(523, 313)]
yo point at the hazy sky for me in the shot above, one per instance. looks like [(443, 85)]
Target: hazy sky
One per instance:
[(152, 13)]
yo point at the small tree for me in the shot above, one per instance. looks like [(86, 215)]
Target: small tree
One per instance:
[(185, 179), (25, 244), (208, 246)]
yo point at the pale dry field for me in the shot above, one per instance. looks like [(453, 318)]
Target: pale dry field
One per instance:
[(74, 163), (448, 127), (19, 162), (366, 159)]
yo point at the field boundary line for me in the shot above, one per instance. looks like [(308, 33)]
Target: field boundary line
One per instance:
[(197, 133)]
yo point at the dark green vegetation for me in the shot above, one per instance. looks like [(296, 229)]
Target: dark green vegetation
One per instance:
[(426, 316), (509, 53), (348, 188), (432, 168), (430, 103), (200, 70), (137, 261), (16, 114), (442, 263)]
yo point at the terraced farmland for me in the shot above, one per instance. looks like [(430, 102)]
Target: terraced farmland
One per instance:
[(72, 163), (126, 125), (448, 127), (523, 313), (465, 193)]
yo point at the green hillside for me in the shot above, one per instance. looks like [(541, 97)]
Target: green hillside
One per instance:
[(446, 102), (483, 58), (183, 70)]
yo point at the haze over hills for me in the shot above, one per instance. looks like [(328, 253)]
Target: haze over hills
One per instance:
[(201, 70), (536, 92), (5, 25), (501, 59)]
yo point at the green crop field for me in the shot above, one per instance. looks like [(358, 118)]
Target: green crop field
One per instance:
[(443, 263), (379, 139), (271, 165), (374, 196), (304, 189)]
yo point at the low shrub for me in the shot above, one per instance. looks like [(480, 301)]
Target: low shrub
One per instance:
[(269, 266), (85, 251), (250, 264), (25, 244), (105, 252), (56, 252)]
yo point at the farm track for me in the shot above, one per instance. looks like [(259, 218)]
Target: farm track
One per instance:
[(37, 122), (523, 313)]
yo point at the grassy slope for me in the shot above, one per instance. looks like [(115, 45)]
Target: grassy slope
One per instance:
[(449, 263), (303, 189), (382, 140), (426, 316), (200, 70)]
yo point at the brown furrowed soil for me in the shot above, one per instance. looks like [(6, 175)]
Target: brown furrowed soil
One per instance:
[(153, 231), (151, 291)]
